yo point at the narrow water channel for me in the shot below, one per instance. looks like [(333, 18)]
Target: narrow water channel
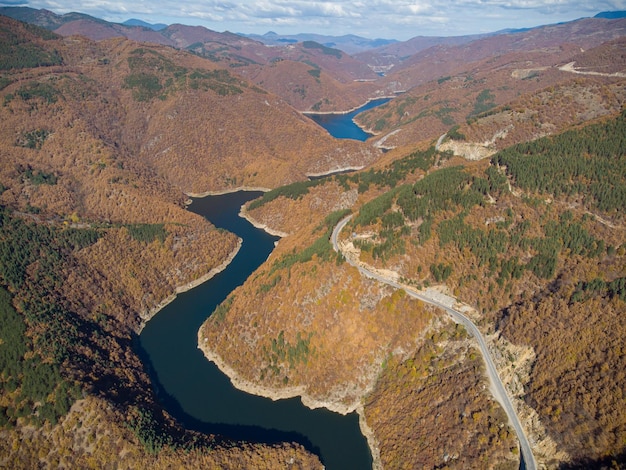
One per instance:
[(342, 126), (196, 392)]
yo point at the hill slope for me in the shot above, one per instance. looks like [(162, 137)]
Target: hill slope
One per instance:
[(525, 255), (326, 89), (464, 84), (517, 216), (93, 240)]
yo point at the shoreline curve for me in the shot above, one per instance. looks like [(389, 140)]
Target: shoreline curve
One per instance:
[(274, 393), (146, 316), (246, 385)]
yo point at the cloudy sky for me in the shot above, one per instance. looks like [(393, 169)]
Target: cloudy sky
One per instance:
[(397, 19)]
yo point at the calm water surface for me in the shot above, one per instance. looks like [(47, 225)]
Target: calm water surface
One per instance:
[(194, 390), (342, 126)]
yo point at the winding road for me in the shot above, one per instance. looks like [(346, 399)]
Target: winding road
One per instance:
[(497, 388)]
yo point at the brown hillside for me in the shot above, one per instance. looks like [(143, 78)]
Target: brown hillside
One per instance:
[(92, 240), (540, 97), (217, 131), (577, 384), (344, 344), (384, 59), (335, 62), (485, 248), (575, 397), (308, 88), (442, 59), (608, 58), (93, 435), (307, 77), (98, 30), (192, 123), (100, 140), (184, 36), (326, 91), (439, 387), (589, 86), (546, 112), (319, 329)]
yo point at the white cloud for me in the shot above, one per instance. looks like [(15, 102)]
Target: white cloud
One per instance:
[(399, 19)]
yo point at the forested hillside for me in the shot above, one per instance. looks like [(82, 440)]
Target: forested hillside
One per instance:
[(574, 184), (502, 97), (502, 191), (308, 75), (532, 240), (92, 240)]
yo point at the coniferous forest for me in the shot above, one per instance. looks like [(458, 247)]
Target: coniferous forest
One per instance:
[(494, 180)]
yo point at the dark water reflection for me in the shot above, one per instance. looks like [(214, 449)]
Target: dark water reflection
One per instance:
[(196, 392), (342, 126)]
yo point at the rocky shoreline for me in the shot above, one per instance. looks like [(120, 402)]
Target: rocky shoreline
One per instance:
[(246, 385), (148, 315), (244, 214), (292, 392), (349, 110), (225, 191)]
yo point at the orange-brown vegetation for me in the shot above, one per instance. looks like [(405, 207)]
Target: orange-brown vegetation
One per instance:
[(180, 259), (315, 325), (290, 215), (94, 435), (328, 78), (244, 137), (558, 291), (93, 240), (99, 142), (607, 58), (255, 142), (501, 100), (309, 88), (77, 177), (549, 111), (440, 386), (191, 123), (577, 382), (414, 65), (569, 314)]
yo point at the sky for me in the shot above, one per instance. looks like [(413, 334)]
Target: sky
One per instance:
[(389, 19)]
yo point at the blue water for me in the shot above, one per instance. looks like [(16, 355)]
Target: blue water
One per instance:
[(196, 392), (342, 126)]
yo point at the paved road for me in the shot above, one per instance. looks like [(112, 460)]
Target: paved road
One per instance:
[(497, 387)]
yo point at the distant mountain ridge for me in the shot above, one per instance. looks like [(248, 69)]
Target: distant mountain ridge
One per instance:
[(74, 23), (45, 18), (611, 15), (136, 22), (320, 73), (349, 43)]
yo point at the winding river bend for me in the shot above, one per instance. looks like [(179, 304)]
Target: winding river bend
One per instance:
[(201, 397), (342, 126)]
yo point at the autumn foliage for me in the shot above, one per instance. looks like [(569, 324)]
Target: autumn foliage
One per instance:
[(439, 386), (101, 142)]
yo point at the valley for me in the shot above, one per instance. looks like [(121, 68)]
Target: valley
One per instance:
[(492, 179)]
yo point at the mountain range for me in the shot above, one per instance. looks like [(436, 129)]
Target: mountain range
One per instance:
[(494, 180)]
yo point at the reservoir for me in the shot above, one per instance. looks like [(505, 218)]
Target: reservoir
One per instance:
[(201, 397), (342, 126)]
